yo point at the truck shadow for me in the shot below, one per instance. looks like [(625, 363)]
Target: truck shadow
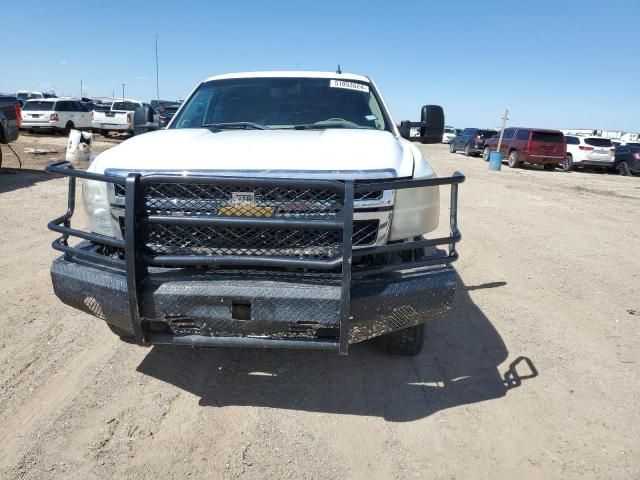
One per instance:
[(458, 366), (14, 179)]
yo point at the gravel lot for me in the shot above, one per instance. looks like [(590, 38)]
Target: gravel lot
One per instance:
[(533, 375)]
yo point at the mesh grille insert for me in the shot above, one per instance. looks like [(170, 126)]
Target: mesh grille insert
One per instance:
[(238, 200)]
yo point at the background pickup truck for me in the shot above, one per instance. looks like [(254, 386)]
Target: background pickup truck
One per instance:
[(10, 118), (118, 119)]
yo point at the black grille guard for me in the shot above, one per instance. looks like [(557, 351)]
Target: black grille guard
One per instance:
[(136, 260)]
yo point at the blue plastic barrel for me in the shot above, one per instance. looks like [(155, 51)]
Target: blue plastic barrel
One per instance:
[(495, 161)]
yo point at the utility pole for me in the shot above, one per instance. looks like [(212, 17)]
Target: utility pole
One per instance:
[(504, 123), (157, 83), (123, 91), (81, 90)]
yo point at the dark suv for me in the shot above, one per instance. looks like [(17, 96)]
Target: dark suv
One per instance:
[(471, 141), (529, 145)]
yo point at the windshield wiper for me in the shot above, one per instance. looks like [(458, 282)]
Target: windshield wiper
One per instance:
[(326, 124), (235, 125)]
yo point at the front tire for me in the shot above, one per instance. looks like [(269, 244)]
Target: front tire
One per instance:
[(623, 169), (452, 149), (406, 342), (486, 154), (513, 160)]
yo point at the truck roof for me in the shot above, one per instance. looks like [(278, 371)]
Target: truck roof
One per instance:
[(291, 74)]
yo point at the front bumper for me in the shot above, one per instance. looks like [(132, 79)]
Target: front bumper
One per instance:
[(289, 280), (190, 303)]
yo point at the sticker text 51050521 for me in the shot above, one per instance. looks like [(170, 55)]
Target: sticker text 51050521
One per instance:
[(360, 87)]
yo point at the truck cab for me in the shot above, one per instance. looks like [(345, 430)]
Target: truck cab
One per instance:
[(278, 209)]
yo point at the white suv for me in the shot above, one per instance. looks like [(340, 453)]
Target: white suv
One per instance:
[(55, 114), (588, 152), (449, 133)]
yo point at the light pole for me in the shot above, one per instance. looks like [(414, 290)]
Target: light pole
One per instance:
[(123, 91)]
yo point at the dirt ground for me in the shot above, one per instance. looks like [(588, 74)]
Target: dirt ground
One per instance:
[(533, 375)]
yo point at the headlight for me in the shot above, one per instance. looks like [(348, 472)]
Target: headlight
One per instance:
[(96, 204), (416, 211)]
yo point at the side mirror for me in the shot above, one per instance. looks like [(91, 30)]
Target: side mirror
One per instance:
[(433, 123), (405, 129), (143, 121)]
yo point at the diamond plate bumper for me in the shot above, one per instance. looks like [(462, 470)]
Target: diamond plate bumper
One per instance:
[(215, 304)]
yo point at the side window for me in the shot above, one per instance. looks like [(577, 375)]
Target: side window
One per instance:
[(60, 107), (523, 135), (508, 134), (572, 140)]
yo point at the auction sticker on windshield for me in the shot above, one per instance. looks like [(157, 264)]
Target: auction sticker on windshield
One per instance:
[(360, 87)]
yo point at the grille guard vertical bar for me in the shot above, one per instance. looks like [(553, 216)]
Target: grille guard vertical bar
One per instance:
[(345, 294), (135, 270)]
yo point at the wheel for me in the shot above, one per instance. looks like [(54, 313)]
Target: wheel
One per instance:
[(452, 149), (467, 150), (123, 334), (548, 167), (68, 127), (567, 165), (623, 169), (486, 153), (407, 342), (513, 160)]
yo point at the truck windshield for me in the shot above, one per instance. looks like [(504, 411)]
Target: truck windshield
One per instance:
[(283, 103)]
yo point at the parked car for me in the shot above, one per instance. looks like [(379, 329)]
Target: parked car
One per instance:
[(529, 145), (471, 141), (449, 133), (10, 118), (119, 118), (627, 159), (28, 95), (166, 114), (588, 152), (54, 114)]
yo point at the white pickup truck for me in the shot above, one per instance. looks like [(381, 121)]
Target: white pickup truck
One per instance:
[(278, 209), (118, 119)]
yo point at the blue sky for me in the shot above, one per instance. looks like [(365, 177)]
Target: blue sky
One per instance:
[(573, 64)]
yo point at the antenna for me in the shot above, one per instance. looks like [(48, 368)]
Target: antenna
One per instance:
[(339, 69), (157, 84)]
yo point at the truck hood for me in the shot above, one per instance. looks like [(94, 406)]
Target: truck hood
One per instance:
[(331, 153)]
